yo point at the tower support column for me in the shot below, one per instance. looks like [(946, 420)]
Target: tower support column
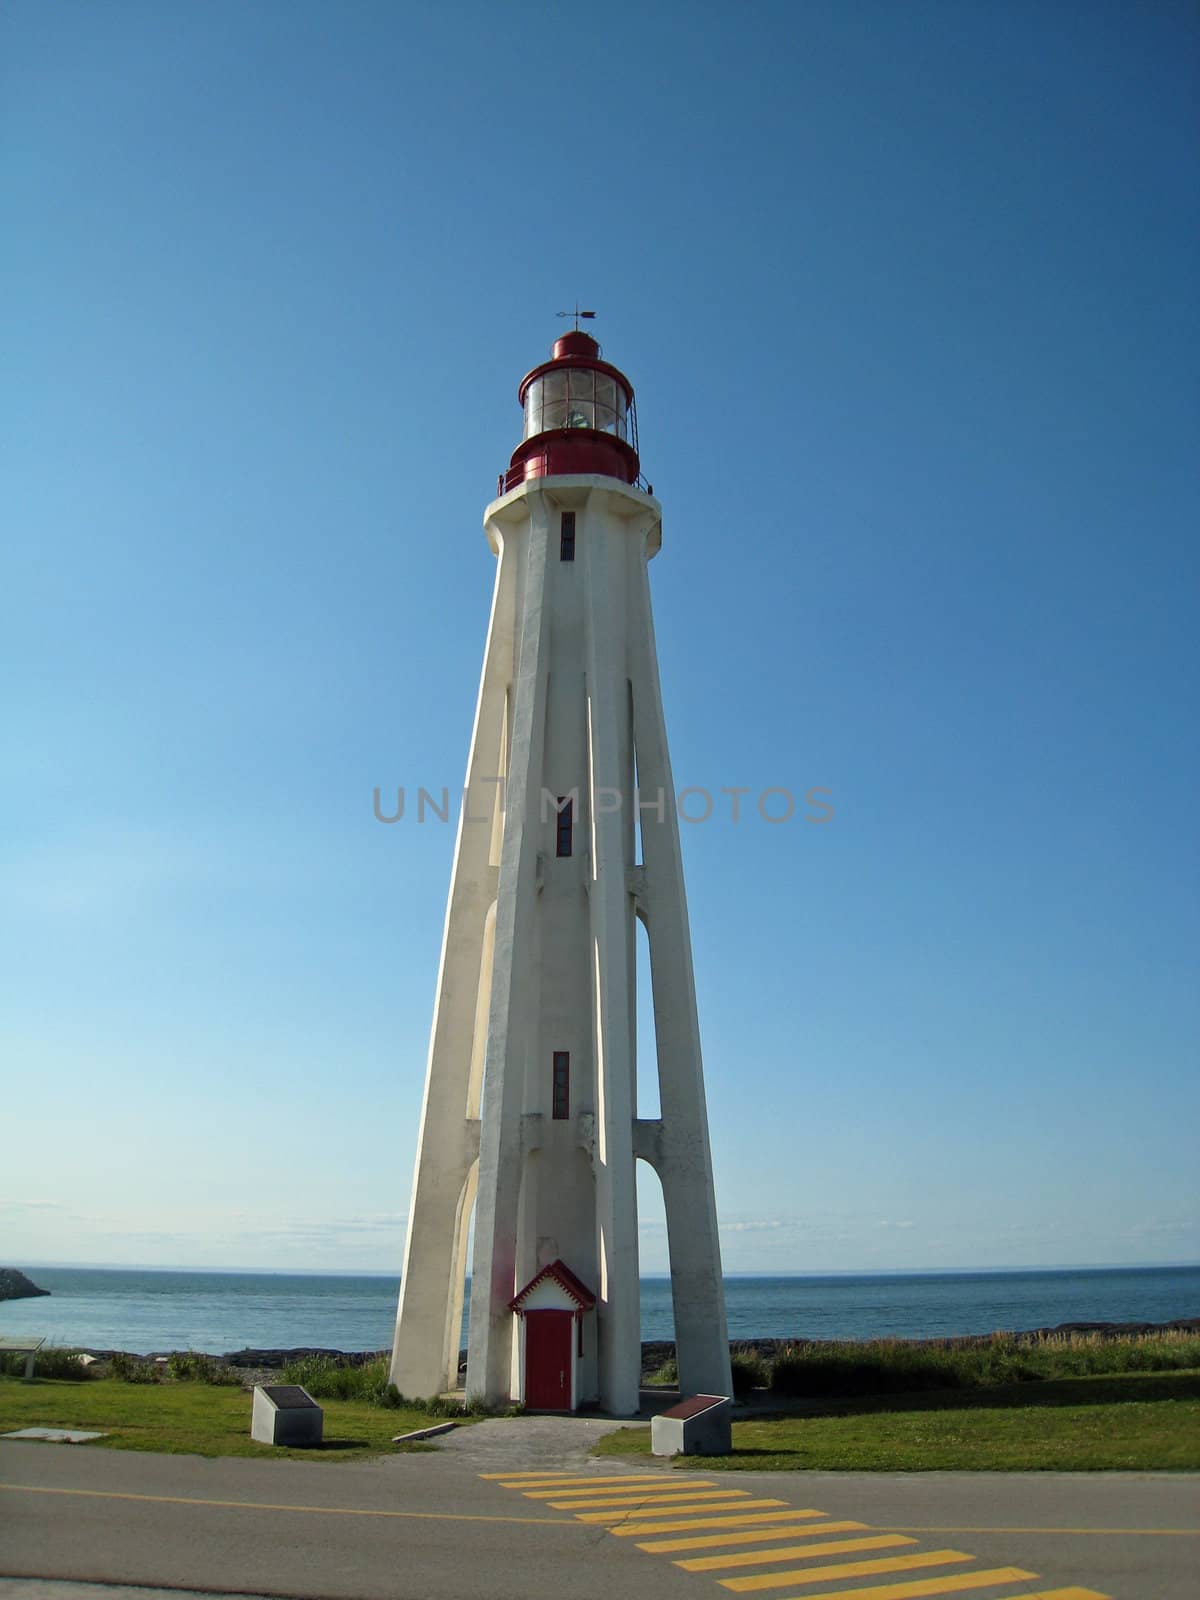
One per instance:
[(428, 1319), (685, 1160), (612, 931), (512, 1032)]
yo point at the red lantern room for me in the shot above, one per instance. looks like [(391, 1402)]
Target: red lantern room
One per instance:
[(579, 417)]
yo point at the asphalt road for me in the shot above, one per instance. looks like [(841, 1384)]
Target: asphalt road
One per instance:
[(429, 1527)]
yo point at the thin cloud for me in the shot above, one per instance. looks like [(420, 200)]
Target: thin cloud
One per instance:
[(1155, 1227)]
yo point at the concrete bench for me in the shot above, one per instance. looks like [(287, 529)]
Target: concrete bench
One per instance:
[(27, 1347)]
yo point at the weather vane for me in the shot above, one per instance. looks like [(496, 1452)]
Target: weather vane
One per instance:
[(577, 314)]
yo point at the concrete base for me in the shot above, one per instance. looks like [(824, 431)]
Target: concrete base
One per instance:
[(55, 1435), (284, 1413), (696, 1427), (417, 1434)]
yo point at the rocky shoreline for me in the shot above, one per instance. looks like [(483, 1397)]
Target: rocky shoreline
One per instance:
[(264, 1364), (15, 1285)]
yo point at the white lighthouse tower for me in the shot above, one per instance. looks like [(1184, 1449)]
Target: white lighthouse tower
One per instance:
[(568, 833)]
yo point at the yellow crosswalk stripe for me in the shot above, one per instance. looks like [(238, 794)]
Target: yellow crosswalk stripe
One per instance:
[(672, 1486), (836, 1547), (923, 1587), (700, 1500), (633, 1528), (640, 1515), (843, 1569), (671, 1508), (531, 1480), (711, 1541), (629, 1497), (995, 1527), (1055, 1594)]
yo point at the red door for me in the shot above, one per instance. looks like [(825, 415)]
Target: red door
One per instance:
[(548, 1345)]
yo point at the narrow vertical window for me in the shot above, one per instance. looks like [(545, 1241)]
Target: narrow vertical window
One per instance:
[(562, 1084), (565, 807), (566, 538)]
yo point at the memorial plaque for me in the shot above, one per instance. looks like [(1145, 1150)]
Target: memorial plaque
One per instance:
[(695, 1406), (287, 1396)]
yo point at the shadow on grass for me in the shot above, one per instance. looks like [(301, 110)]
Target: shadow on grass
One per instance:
[(1126, 1389), (745, 1451)]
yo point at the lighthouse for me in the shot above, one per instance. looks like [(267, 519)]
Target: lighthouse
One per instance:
[(568, 833)]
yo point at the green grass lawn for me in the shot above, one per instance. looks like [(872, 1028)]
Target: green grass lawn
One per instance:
[(194, 1418), (1135, 1422)]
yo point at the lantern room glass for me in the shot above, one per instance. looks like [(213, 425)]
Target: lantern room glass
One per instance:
[(575, 397)]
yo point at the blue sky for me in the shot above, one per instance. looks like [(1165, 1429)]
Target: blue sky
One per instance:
[(908, 297)]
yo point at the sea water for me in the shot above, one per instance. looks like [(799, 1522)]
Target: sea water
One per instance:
[(148, 1310)]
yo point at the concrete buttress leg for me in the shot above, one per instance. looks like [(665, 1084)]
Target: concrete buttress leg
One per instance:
[(697, 1287), (513, 1011), (425, 1347), (611, 912)]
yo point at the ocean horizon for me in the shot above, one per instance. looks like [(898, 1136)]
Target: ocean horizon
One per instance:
[(155, 1309), (830, 1272)]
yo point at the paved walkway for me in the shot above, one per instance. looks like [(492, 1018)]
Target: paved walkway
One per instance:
[(528, 1443)]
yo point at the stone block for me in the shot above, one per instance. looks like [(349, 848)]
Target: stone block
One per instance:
[(284, 1413), (699, 1426)]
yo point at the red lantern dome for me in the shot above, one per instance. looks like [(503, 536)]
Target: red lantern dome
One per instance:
[(579, 417)]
